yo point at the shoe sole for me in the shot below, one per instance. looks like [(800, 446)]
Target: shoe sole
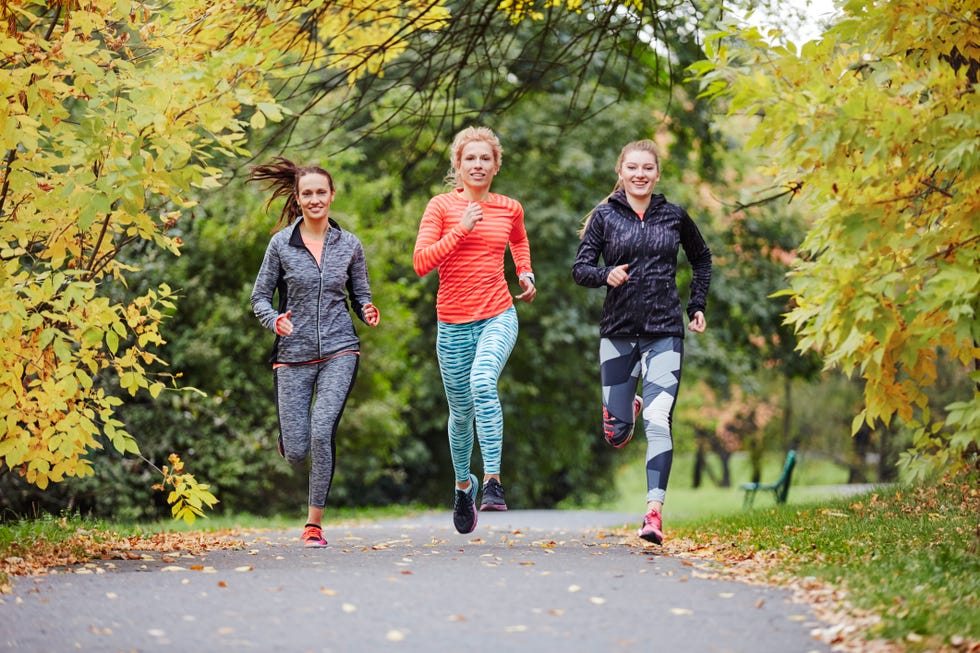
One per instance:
[(314, 545), (493, 507), (651, 537)]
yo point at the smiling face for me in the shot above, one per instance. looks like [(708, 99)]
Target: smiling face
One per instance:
[(639, 172), (314, 192), (477, 165)]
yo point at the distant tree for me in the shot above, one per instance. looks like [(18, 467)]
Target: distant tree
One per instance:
[(874, 128), (114, 116)]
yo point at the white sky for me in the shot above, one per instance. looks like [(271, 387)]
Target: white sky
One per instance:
[(798, 29)]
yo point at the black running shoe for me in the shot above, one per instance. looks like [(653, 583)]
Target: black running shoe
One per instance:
[(493, 496), (464, 508)]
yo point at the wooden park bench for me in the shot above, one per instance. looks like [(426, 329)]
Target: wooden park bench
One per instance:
[(779, 489)]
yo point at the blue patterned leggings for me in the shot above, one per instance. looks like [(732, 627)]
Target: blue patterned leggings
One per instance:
[(471, 359), (657, 361)]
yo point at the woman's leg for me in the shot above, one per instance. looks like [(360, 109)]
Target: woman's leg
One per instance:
[(455, 349), (295, 387), (334, 382), (661, 369), (496, 341), (619, 369)]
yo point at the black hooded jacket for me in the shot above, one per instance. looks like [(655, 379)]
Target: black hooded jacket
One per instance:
[(647, 305)]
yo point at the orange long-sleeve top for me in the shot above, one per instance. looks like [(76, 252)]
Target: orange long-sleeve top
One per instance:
[(472, 285)]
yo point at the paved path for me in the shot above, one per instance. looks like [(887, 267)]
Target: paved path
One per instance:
[(538, 581)]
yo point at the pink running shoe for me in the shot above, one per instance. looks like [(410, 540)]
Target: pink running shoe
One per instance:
[(313, 537), (637, 409), (652, 529)]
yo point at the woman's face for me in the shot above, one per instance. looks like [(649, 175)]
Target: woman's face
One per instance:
[(476, 165), (639, 173), (314, 195)]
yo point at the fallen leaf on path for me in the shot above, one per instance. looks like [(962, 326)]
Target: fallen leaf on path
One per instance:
[(395, 636), (349, 608), (245, 568), (681, 611)]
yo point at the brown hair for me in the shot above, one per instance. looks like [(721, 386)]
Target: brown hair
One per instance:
[(282, 176), (644, 145), (464, 138)]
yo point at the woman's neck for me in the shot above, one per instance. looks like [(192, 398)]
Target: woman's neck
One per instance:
[(639, 204), (315, 229)]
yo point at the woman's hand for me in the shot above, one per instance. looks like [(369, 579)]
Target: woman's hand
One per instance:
[(371, 315), (618, 276), (284, 326), (698, 324), (529, 290), (472, 215)]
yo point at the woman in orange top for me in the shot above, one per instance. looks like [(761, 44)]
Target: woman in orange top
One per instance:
[(464, 234)]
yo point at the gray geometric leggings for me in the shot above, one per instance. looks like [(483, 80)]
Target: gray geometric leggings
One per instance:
[(622, 363), (310, 399)]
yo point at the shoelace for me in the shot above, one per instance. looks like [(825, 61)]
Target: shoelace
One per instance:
[(312, 533)]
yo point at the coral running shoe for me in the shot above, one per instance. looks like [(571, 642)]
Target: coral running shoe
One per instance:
[(652, 529), (313, 537), (464, 508), (493, 496)]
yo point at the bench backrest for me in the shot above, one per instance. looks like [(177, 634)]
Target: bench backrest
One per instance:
[(782, 485)]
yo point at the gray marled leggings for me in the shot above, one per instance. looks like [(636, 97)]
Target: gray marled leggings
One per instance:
[(310, 400)]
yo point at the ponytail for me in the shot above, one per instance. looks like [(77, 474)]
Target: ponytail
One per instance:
[(282, 176)]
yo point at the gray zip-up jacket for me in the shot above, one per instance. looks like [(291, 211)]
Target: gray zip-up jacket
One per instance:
[(316, 294)]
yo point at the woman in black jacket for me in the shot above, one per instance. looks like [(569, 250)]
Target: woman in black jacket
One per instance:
[(637, 235)]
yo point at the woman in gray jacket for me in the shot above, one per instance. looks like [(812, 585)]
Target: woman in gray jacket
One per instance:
[(315, 267), (637, 234)]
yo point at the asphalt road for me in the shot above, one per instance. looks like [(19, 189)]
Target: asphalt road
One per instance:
[(537, 581)]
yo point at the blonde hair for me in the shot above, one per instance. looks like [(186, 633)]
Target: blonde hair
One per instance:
[(644, 145), (464, 138)]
